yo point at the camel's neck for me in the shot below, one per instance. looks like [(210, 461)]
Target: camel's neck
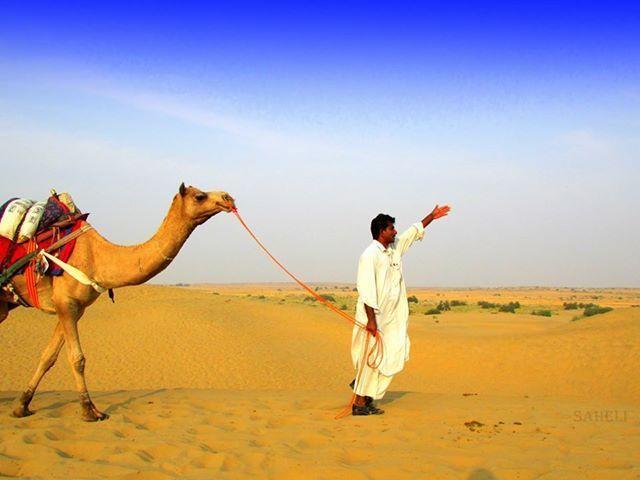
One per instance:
[(118, 266)]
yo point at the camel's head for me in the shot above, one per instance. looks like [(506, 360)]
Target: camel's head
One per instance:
[(200, 206)]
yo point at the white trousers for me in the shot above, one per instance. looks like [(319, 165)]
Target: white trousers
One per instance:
[(371, 383)]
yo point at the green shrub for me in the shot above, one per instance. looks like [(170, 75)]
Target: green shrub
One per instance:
[(443, 306), (595, 310), (510, 307), (433, 311), (412, 299), (343, 306), (261, 297), (309, 299), (576, 306), (328, 297), (457, 303), (484, 304), (542, 313)]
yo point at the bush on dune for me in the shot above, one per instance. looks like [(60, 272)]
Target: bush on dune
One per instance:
[(457, 303), (485, 304), (576, 306), (595, 310), (443, 305), (510, 307)]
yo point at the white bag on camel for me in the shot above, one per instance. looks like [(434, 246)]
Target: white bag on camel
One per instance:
[(31, 221), (13, 216)]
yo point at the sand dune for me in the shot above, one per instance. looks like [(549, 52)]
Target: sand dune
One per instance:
[(204, 385)]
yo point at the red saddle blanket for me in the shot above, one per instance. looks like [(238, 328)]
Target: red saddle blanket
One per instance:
[(54, 211), (10, 252)]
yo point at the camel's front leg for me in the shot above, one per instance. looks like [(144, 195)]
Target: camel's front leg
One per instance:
[(69, 316), (47, 360)]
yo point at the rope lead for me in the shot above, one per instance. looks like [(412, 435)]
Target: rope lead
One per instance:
[(373, 356)]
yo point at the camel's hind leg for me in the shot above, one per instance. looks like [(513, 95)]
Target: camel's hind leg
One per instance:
[(47, 360), (69, 315)]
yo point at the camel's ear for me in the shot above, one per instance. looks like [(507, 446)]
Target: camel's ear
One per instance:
[(182, 189)]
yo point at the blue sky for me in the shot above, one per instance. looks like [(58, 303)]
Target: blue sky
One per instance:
[(316, 117)]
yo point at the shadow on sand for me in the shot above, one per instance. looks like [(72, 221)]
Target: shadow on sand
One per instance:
[(481, 474), (392, 397), (48, 401)]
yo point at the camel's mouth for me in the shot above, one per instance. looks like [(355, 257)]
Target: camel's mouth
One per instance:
[(218, 207), (226, 206)]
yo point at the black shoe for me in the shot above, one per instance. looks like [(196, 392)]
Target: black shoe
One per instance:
[(373, 410), (358, 410)]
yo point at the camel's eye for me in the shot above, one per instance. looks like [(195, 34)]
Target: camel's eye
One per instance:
[(200, 196)]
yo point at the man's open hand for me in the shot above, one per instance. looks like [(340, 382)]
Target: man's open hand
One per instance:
[(440, 211)]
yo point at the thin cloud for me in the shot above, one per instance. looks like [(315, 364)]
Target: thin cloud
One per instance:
[(185, 110)]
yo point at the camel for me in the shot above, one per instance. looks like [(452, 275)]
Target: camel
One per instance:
[(111, 266)]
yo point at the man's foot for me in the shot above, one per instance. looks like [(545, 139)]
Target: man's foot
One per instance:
[(357, 410)]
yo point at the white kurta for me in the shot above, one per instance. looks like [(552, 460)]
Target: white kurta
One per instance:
[(381, 286)]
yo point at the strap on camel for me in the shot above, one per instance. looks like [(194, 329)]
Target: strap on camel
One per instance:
[(80, 276), (10, 271)]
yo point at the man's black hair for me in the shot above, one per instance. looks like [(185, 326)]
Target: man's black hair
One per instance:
[(380, 223)]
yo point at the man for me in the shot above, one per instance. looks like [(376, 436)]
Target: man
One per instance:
[(383, 310)]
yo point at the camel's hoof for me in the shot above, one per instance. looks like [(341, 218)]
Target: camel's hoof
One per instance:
[(96, 416), (21, 412)]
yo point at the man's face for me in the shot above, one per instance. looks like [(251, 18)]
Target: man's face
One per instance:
[(388, 235)]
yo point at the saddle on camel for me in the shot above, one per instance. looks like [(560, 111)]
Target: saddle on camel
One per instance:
[(55, 261), (33, 235)]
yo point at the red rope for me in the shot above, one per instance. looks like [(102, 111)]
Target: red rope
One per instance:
[(30, 274), (373, 356)]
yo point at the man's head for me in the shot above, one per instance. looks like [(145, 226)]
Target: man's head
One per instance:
[(382, 229)]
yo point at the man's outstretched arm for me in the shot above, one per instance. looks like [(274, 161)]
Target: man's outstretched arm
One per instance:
[(437, 212), (416, 231)]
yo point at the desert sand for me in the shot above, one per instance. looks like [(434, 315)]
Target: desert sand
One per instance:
[(232, 381)]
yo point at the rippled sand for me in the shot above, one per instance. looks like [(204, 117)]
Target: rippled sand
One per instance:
[(204, 385)]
